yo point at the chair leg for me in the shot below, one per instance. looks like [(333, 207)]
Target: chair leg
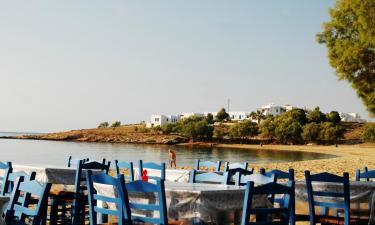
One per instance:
[(53, 212)]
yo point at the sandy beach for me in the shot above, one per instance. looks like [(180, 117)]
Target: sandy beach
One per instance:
[(349, 158)]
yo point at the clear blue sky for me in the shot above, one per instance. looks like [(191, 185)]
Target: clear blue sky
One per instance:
[(72, 64)]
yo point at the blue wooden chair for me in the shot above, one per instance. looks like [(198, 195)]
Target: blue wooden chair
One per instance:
[(367, 175), (94, 197), (74, 161), (77, 199), (148, 189), (127, 166), (150, 165), (21, 209), (328, 200), (209, 177), (264, 215), (207, 165), (7, 169), (281, 175), (228, 166), (234, 175)]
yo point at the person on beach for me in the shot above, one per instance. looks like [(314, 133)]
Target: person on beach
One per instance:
[(172, 158)]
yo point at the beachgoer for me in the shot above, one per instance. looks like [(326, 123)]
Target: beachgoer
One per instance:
[(172, 158)]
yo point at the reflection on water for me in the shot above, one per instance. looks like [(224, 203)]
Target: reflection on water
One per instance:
[(57, 152)]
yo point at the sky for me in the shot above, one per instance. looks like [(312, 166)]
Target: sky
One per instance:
[(72, 64)]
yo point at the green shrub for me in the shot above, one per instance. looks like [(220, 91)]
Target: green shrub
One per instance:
[(116, 124), (310, 132), (103, 125), (243, 129), (167, 128), (368, 133), (331, 133)]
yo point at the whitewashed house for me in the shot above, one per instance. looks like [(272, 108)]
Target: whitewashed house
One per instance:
[(273, 110), (351, 117), (160, 120), (189, 114), (238, 116)]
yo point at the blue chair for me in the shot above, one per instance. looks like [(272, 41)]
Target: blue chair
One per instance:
[(7, 169), (329, 200), (12, 179), (22, 208), (234, 175), (74, 161), (264, 215), (228, 166), (150, 165), (128, 166), (94, 197), (208, 177), (281, 175), (367, 175), (208, 165), (148, 189)]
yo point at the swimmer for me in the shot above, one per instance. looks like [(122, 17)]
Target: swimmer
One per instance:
[(172, 158)]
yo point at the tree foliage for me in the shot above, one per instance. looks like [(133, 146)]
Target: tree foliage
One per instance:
[(258, 116), (243, 129), (331, 133), (350, 39), (310, 132), (103, 125), (116, 124), (368, 133), (194, 127), (222, 115), (315, 116), (333, 117), (210, 118)]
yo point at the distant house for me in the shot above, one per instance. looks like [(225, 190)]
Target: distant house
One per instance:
[(351, 117), (160, 120), (273, 110), (189, 114), (239, 115)]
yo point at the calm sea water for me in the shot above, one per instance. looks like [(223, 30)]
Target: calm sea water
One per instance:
[(56, 153)]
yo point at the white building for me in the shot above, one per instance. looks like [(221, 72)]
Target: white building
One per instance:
[(160, 120), (189, 114), (351, 117), (273, 110), (239, 115)]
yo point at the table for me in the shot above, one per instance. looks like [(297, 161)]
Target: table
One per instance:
[(4, 201), (208, 203)]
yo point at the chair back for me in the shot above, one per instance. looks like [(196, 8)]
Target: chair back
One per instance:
[(229, 166), (257, 178), (208, 177), (339, 199), (111, 203), (74, 161), (151, 165), (281, 175), (207, 164), (149, 190), (7, 169), (234, 175), (265, 215), (128, 167), (22, 208), (14, 177), (367, 175), (80, 183)]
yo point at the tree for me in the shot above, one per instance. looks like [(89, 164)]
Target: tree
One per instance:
[(310, 132), (222, 115), (167, 128), (330, 132), (299, 115), (333, 117), (103, 125), (116, 124), (288, 131), (258, 116), (368, 133), (243, 129), (210, 118), (220, 131), (315, 116), (350, 39), (267, 128)]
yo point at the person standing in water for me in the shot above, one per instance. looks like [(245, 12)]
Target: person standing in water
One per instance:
[(172, 158)]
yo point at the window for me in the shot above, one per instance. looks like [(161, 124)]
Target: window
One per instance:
[(156, 119)]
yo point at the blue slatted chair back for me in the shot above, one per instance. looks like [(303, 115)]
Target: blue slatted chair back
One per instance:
[(115, 201), (14, 177), (209, 177), (128, 167), (74, 161), (367, 175), (147, 209), (7, 169), (80, 183), (22, 209), (234, 175), (257, 178), (151, 165), (199, 165), (327, 200), (228, 166), (279, 215)]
